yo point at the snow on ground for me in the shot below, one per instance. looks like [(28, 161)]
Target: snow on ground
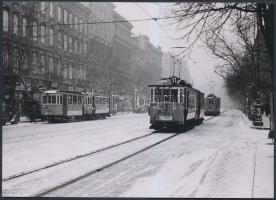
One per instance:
[(37, 182), (215, 159), (28, 146), (241, 167), (223, 157)]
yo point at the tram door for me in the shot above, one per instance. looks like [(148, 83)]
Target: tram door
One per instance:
[(64, 105)]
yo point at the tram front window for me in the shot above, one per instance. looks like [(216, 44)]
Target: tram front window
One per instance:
[(166, 95)]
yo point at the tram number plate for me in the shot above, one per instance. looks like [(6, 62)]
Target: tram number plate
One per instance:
[(165, 117)]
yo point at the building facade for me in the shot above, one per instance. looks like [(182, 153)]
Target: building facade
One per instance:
[(41, 53), (147, 63), (64, 45), (121, 49)]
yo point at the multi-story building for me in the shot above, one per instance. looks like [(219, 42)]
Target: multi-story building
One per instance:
[(122, 46), (44, 47), (101, 39), (146, 63), (64, 45)]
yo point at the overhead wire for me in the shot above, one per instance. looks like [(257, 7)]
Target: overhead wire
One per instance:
[(99, 22)]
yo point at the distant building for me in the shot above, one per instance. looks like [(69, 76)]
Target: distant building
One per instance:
[(122, 46), (100, 43), (147, 62)]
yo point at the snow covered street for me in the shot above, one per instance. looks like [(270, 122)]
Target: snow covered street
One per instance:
[(223, 157)]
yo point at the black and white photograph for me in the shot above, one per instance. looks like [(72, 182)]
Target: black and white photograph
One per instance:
[(138, 99)]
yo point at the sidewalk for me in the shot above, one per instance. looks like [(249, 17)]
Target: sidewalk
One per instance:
[(263, 180)]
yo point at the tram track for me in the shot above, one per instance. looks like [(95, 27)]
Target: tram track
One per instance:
[(113, 163), (81, 156), (75, 157), (100, 168)]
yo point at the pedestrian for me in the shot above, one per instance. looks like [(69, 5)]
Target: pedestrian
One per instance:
[(271, 135), (33, 113)]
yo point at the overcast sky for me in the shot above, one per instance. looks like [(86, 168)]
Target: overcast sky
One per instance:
[(201, 63)]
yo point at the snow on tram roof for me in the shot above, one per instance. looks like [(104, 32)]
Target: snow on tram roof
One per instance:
[(60, 91), (50, 91)]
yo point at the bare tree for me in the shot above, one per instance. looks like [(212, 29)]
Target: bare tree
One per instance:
[(211, 18)]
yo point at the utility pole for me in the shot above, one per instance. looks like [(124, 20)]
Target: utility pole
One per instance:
[(179, 69)]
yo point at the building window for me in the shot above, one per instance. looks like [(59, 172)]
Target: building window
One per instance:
[(76, 23), (24, 27), (84, 73), (51, 9), (65, 71), (76, 46), (15, 24), (6, 20), (85, 48), (51, 65), (79, 25), (60, 43), (70, 44), (65, 42), (43, 64), (42, 34), (34, 62), (24, 59), (34, 31), (70, 20), (5, 58), (65, 17), (43, 7), (59, 13), (51, 37), (58, 70), (80, 72), (70, 71), (15, 60), (87, 28)]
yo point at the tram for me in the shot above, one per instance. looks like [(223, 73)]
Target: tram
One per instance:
[(175, 104), (59, 105), (212, 105)]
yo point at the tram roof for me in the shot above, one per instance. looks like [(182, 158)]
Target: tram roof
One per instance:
[(60, 91)]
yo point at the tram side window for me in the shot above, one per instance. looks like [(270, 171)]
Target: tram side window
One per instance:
[(57, 99), (98, 100), (53, 99), (187, 97), (75, 101), (181, 95), (49, 100), (79, 99), (44, 99), (60, 99), (70, 99)]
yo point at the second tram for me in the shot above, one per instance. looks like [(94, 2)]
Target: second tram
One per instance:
[(212, 105)]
